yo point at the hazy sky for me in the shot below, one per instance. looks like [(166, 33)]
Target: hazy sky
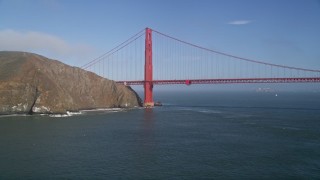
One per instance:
[(77, 31)]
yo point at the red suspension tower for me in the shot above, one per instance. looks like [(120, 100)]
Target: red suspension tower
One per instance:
[(148, 81)]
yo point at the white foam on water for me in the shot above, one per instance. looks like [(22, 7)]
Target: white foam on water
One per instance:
[(74, 113), (206, 111), (82, 112), (59, 115), (68, 114)]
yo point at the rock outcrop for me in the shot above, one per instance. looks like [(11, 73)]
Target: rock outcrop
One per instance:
[(30, 83)]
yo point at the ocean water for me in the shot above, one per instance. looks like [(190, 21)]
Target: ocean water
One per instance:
[(204, 135)]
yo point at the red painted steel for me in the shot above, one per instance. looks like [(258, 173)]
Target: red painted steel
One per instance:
[(148, 81), (227, 81)]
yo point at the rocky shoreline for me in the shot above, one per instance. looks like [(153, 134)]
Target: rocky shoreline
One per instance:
[(33, 84)]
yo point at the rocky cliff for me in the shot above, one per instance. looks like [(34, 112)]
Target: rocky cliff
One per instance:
[(30, 83)]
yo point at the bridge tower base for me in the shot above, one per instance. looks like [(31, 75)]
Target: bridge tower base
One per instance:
[(148, 79)]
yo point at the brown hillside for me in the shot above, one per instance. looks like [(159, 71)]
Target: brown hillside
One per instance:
[(30, 83)]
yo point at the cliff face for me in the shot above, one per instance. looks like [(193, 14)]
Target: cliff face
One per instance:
[(30, 83)]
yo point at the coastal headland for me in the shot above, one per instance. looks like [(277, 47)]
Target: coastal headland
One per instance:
[(31, 83)]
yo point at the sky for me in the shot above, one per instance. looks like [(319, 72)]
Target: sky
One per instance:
[(77, 31)]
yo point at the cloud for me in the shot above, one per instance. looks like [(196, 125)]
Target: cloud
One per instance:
[(240, 22), (37, 42)]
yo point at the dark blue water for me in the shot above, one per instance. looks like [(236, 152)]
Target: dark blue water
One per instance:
[(193, 136)]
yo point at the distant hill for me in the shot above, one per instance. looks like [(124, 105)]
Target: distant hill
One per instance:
[(30, 83)]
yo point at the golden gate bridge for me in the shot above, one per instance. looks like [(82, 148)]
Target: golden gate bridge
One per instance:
[(153, 58)]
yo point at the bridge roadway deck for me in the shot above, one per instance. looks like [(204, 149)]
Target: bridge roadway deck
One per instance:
[(227, 81)]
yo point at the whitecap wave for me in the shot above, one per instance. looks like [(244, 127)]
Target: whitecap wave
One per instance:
[(74, 113), (59, 115), (207, 111), (68, 114)]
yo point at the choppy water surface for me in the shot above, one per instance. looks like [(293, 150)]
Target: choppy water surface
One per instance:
[(193, 136)]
